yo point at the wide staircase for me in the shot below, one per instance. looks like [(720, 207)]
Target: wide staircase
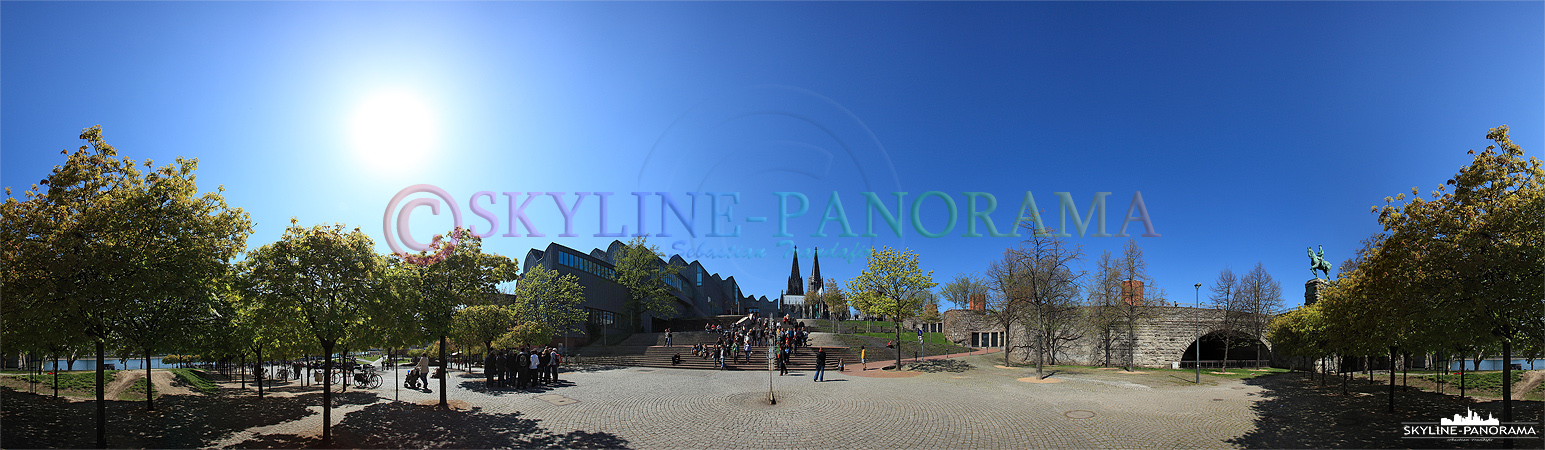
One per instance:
[(803, 359)]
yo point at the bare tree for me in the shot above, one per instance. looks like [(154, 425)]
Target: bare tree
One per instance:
[(1009, 296), (1137, 289), (1105, 308), (1226, 299), (1038, 280), (1259, 296)]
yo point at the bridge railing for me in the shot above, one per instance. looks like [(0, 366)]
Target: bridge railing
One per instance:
[(1232, 363)]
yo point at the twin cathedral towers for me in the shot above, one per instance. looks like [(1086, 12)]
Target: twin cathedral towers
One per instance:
[(794, 304)]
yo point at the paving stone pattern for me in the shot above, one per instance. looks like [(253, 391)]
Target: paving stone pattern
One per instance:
[(665, 408)]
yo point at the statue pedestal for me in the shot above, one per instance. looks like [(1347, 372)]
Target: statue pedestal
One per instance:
[(1312, 289)]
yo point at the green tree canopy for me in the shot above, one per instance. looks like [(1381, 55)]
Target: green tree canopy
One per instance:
[(105, 242), (482, 324), (641, 270), (889, 286), (327, 279), (546, 296)]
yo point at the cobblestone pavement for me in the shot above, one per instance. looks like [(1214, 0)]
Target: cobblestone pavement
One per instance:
[(618, 407)]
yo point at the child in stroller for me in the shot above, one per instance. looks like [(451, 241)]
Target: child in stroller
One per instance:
[(418, 378)]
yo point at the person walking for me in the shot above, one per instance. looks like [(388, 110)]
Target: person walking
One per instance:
[(423, 371), (820, 365), (668, 337), (863, 358), (783, 361)]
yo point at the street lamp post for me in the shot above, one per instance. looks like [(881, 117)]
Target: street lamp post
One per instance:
[(1197, 330)]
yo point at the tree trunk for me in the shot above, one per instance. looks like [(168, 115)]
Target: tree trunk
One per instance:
[(56, 377), (150, 385), (898, 339), (1507, 384), (327, 393), (1405, 372), (1227, 342), (101, 394), (259, 376), (1342, 367), (1462, 378), (1392, 379), (445, 373)]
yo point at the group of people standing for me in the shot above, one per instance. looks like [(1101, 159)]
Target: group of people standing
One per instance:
[(522, 369)]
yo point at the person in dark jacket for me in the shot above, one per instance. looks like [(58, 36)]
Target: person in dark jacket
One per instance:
[(820, 365), (522, 372), (512, 370), (490, 368), (541, 366), (783, 361)]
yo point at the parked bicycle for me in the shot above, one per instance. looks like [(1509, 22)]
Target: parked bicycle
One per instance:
[(367, 377)]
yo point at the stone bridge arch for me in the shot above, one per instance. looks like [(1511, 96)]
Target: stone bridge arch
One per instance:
[(1171, 333)]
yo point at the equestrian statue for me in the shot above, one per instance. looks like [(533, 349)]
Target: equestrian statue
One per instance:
[(1317, 263)]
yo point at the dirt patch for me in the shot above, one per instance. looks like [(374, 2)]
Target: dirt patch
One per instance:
[(121, 383), (168, 383), (1527, 382), (1134, 372), (1040, 380), (1221, 373)]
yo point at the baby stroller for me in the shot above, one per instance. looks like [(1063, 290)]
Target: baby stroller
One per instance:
[(416, 380)]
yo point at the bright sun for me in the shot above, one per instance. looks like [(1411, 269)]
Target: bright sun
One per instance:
[(394, 129)]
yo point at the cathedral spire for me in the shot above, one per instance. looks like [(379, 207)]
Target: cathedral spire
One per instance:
[(816, 283), (796, 282)]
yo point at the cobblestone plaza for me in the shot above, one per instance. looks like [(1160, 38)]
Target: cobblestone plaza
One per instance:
[(628, 407)]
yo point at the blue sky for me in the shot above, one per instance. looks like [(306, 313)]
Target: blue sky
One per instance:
[(1252, 129)]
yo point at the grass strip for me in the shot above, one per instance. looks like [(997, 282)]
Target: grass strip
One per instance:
[(197, 379)]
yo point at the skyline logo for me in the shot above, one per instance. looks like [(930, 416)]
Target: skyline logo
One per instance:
[(1472, 419), (1470, 427)]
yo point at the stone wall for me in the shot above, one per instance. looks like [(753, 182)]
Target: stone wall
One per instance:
[(1160, 339)]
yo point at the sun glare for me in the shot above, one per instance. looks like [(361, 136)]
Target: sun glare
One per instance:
[(394, 130)]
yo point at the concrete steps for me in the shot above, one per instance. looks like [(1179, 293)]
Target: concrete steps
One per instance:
[(682, 338), (804, 359)]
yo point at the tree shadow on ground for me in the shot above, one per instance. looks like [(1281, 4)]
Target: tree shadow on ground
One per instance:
[(1294, 411), (481, 387), (407, 425), (179, 421), (591, 368), (942, 365)]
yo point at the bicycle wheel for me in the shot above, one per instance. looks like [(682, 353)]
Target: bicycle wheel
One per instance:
[(375, 381)]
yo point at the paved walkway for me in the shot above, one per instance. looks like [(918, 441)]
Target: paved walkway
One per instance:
[(873, 368), (649, 408)]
